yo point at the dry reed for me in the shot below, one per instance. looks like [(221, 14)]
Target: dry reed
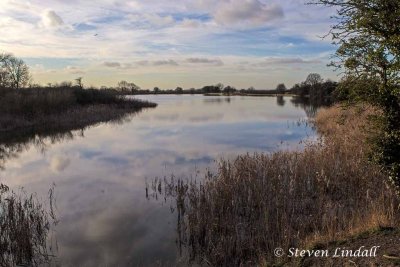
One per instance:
[(66, 107), (24, 227), (259, 202)]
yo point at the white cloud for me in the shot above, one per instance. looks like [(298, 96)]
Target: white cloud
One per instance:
[(58, 164), (112, 64), (74, 70), (247, 13), (133, 38), (165, 62), (50, 19), (190, 23), (151, 20), (216, 62), (159, 21), (291, 60)]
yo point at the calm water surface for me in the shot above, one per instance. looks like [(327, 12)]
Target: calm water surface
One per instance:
[(100, 173)]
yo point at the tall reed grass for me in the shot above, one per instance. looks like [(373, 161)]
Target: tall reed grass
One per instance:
[(42, 107), (259, 202), (25, 224)]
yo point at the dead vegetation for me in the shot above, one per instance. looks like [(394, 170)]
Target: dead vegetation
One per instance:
[(259, 202), (41, 109), (25, 224)]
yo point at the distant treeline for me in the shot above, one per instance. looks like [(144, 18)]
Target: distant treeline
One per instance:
[(314, 87), (318, 91), (25, 106), (125, 87), (14, 74)]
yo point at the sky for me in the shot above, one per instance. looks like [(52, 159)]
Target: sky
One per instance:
[(169, 43)]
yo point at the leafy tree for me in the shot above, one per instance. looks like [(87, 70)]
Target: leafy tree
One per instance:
[(14, 73), (314, 79), (357, 88), (281, 88), (368, 35), (125, 86), (220, 86), (4, 76), (133, 87), (300, 89), (229, 90), (312, 83), (156, 90), (317, 92), (179, 90), (211, 89)]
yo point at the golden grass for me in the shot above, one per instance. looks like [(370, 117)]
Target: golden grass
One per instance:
[(256, 203), (352, 126)]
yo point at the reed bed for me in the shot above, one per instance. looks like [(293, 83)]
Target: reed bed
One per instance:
[(64, 106), (259, 202), (24, 227)]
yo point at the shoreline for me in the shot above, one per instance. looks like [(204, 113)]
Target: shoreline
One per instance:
[(217, 94), (329, 191), (73, 119), (36, 111)]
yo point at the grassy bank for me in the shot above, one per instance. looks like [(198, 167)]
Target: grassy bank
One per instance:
[(38, 109), (384, 237), (259, 202)]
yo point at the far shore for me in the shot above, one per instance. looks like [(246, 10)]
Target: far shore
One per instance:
[(38, 111), (41, 110), (256, 93)]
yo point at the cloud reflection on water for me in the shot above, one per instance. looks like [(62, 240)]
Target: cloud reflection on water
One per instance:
[(100, 178)]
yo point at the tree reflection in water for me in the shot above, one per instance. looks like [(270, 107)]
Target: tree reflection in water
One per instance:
[(27, 224), (310, 105), (15, 143)]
